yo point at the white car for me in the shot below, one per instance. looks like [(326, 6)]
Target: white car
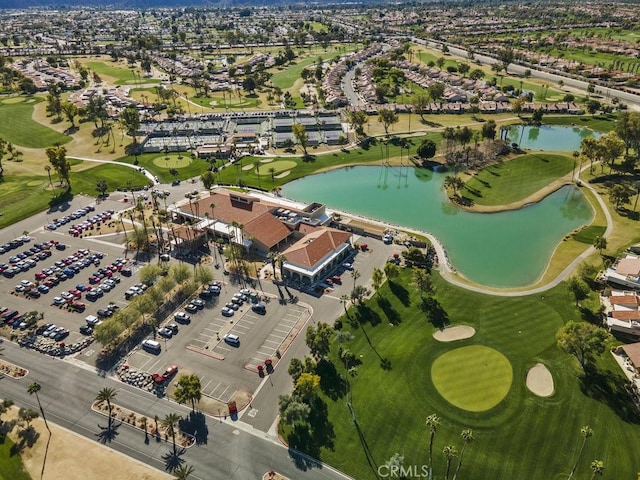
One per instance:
[(347, 266), (182, 317), (58, 301), (66, 295), (227, 312)]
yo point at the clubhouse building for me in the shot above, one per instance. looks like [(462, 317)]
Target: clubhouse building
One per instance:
[(311, 249)]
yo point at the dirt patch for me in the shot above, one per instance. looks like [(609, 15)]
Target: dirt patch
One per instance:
[(451, 334), (71, 456), (540, 381)]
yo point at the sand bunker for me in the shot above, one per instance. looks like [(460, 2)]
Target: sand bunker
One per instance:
[(540, 381), (450, 334), (247, 167), (283, 174)]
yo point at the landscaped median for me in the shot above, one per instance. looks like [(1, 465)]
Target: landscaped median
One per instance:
[(12, 371), (153, 426)]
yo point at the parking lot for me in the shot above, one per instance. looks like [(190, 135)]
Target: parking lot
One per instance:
[(198, 345), (50, 273)]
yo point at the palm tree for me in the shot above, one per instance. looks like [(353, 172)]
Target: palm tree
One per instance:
[(345, 299), (600, 243), (170, 423), (272, 172), (432, 422), (377, 278), (183, 472), (35, 388), (106, 395), (143, 421), (355, 274), (597, 467), (256, 164), (449, 452), (586, 432), (467, 438)]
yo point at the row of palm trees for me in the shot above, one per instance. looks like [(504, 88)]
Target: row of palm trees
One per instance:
[(170, 423)]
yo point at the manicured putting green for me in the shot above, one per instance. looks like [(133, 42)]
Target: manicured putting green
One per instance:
[(173, 161), (278, 166), (474, 378)]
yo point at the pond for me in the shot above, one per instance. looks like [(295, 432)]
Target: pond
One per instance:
[(549, 137), (507, 249)]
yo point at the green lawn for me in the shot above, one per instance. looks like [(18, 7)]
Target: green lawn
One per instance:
[(524, 436), (474, 378), (11, 467), (516, 179), (116, 176), (589, 233), (598, 123), (287, 77), (17, 126), (374, 152), (123, 75), (154, 162), (24, 195)]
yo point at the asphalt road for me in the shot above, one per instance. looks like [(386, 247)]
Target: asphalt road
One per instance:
[(633, 101)]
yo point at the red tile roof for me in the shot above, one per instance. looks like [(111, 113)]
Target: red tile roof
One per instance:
[(624, 300), (316, 245), (267, 230)]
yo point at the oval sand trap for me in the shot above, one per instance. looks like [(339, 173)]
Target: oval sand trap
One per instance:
[(540, 381), (459, 332)]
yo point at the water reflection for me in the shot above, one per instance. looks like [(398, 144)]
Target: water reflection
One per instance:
[(500, 249)]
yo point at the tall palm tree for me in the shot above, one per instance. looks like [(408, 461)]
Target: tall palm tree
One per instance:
[(170, 423), (377, 278), (467, 438), (597, 467), (35, 388), (183, 472), (449, 452), (107, 394), (272, 172), (355, 274), (586, 432), (432, 422), (48, 169), (345, 299)]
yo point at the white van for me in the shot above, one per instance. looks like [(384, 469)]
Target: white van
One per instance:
[(151, 346), (233, 340)]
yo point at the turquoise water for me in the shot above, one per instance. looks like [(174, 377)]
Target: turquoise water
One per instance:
[(547, 137), (507, 249)]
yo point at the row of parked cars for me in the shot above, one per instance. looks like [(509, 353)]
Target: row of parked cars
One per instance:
[(96, 220), (27, 259), (59, 222)]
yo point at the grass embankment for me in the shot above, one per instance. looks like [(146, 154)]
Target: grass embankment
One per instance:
[(598, 123), (507, 182), (524, 436), (374, 151), (18, 127)]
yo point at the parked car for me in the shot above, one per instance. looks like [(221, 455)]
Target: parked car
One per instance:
[(232, 340), (165, 332), (227, 312), (86, 330), (347, 266), (182, 317), (173, 327), (169, 372), (191, 308), (259, 308)]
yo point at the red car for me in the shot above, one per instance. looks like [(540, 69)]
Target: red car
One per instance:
[(40, 276), (76, 293), (77, 306), (170, 371)]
